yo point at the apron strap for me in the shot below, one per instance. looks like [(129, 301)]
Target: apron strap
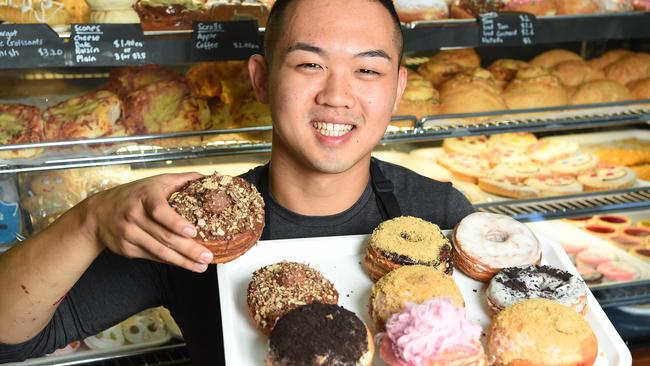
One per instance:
[(386, 201)]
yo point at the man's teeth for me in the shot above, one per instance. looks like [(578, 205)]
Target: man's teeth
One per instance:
[(332, 129)]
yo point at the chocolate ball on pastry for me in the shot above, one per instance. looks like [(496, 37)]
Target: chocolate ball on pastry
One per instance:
[(406, 240), (485, 243), (640, 89), (320, 335), (410, 284), (553, 57), (629, 68), (575, 72), (540, 332), (600, 91), (434, 333), (535, 87), (228, 213), (514, 284), (417, 10), (278, 288)]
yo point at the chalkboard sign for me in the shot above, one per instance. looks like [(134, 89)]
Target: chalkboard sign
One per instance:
[(231, 40), (108, 44), (30, 45), (507, 29)]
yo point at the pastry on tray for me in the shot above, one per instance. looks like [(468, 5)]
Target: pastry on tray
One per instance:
[(20, 124)]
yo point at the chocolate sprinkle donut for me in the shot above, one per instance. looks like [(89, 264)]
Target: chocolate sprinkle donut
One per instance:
[(318, 334)]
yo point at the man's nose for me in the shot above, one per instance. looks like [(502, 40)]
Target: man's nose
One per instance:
[(336, 91)]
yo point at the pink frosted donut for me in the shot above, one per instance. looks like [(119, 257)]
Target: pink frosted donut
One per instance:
[(617, 271), (592, 258)]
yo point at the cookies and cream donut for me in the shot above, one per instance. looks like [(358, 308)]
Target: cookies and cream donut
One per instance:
[(406, 240), (575, 164), (278, 288), (410, 284), (414, 10), (467, 145), (467, 168), (608, 177), (540, 332), (554, 185), (514, 141), (550, 149), (484, 243), (514, 284), (228, 213), (518, 172)]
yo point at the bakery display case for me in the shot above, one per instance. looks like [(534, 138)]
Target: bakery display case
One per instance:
[(556, 134)]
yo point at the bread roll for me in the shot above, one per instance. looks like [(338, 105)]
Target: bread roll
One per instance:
[(608, 58), (578, 7), (600, 91), (419, 99), (575, 72), (537, 7), (445, 64), (505, 70), (535, 87), (629, 68), (640, 89), (471, 92), (551, 58), (113, 11)]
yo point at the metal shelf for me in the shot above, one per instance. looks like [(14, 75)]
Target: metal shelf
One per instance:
[(549, 208), (175, 354)]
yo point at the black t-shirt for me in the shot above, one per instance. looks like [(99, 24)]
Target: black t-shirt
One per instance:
[(115, 287)]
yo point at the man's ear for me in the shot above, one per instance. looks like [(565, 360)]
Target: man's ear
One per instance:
[(401, 85), (258, 73)]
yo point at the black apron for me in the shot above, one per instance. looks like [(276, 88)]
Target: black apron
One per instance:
[(381, 186)]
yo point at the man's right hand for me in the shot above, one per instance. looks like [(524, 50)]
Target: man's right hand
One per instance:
[(135, 220)]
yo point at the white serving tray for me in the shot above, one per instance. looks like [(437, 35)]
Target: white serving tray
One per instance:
[(339, 259)]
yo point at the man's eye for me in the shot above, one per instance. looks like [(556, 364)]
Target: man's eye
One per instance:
[(309, 66), (368, 72)]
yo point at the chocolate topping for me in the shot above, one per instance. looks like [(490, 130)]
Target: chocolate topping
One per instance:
[(443, 257), (318, 334)]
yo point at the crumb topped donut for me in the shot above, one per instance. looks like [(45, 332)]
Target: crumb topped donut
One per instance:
[(514, 284), (484, 243), (228, 213), (540, 332), (409, 284), (280, 287), (406, 240), (320, 334)]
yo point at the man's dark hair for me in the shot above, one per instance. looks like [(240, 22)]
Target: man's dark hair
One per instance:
[(275, 24)]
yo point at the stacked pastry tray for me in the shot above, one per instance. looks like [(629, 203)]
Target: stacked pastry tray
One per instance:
[(340, 260)]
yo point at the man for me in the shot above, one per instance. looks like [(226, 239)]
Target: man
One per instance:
[(332, 77)]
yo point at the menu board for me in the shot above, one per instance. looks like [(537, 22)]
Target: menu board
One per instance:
[(108, 44), (507, 29), (228, 40), (30, 45)]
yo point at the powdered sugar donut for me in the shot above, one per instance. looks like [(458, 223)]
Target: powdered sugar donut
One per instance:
[(464, 167), (486, 242), (553, 186), (506, 188), (575, 164), (414, 10), (514, 284), (550, 149), (608, 177), (515, 141), (469, 145), (518, 172)]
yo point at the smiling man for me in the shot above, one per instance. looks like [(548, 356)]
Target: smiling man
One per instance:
[(332, 77)]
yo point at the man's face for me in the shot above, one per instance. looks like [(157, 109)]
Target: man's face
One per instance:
[(333, 82)]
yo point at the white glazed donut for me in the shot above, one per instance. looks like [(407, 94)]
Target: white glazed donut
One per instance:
[(143, 327), (484, 243), (514, 284), (109, 338)]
